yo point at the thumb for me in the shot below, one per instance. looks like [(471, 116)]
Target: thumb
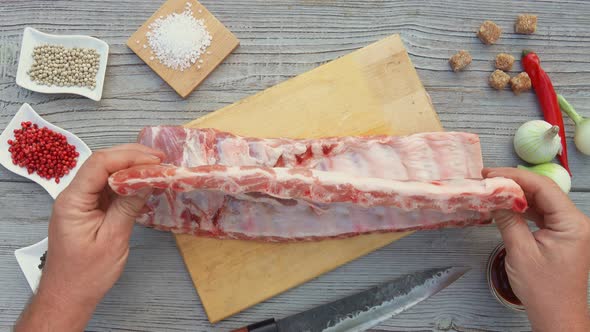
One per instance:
[(124, 210), (513, 228)]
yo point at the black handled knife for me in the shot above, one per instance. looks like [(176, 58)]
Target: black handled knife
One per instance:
[(366, 309)]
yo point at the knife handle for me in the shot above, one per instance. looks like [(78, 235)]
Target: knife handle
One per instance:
[(269, 325)]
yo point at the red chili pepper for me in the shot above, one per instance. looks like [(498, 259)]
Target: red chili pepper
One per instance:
[(547, 97)]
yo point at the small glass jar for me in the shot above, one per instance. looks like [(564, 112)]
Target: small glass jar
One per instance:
[(498, 280)]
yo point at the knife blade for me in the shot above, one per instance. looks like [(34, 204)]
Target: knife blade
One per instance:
[(366, 309)]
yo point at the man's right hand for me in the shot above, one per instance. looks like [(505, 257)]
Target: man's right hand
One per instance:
[(547, 269)]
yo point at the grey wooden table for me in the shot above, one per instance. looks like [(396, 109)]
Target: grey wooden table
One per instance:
[(280, 39)]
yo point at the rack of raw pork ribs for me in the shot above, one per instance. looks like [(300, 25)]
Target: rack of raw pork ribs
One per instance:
[(223, 185)]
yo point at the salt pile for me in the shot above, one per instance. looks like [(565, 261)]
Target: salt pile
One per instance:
[(179, 39)]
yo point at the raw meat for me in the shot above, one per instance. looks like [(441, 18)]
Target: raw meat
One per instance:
[(424, 156), (321, 187), (227, 186), (286, 190)]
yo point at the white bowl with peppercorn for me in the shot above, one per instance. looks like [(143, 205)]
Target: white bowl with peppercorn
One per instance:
[(31, 260), (73, 64), (40, 151)]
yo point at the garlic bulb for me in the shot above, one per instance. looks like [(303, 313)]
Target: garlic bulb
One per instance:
[(537, 142)]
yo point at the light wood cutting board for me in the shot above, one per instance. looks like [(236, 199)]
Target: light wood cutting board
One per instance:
[(374, 90)]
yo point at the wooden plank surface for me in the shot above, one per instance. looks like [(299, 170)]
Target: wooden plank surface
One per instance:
[(280, 41), (371, 91), (185, 81)]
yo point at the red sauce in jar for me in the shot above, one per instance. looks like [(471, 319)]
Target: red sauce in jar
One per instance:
[(499, 278)]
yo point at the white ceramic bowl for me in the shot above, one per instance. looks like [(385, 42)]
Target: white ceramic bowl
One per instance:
[(28, 259), (26, 113), (33, 38)]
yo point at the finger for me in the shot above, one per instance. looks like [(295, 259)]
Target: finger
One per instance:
[(93, 175), (530, 213), (121, 215), (542, 193), (138, 147), (513, 228)]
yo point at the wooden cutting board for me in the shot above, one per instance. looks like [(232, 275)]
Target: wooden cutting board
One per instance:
[(184, 82), (374, 90)]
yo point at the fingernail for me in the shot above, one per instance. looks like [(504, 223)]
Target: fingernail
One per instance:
[(155, 157)]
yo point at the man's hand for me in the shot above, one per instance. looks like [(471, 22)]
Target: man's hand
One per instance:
[(548, 269), (89, 233)]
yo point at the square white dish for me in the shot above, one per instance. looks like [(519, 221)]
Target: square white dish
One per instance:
[(28, 259), (26, 113), (33, 38)]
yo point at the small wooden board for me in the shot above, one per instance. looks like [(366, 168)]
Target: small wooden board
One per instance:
[(374, 90), (184, 82)]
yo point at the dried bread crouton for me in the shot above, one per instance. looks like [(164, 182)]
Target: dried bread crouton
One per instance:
[(499, 79), (460, 60), (525, 24), (489, 32), (520, 83), (504, 61)]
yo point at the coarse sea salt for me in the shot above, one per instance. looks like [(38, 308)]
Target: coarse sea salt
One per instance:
[(178, 38)]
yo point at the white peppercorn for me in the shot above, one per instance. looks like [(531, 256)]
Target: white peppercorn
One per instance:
[(61, 66)]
